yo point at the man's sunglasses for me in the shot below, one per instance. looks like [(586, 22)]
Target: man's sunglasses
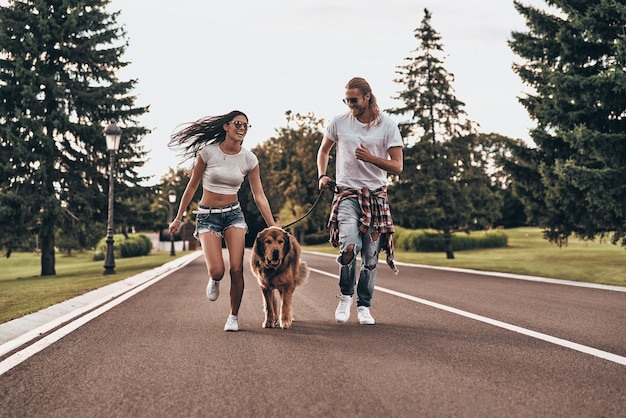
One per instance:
[(351, 100)]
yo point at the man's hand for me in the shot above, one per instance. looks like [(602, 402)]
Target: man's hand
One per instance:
[(323, 182), (363, 153)]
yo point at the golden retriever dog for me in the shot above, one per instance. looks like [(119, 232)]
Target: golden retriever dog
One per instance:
[(276, 264)]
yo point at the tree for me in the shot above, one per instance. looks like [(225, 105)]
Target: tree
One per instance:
[(497, 151), (444, 184), (13, 235), (572, 180), (289, 175), (58, 89)]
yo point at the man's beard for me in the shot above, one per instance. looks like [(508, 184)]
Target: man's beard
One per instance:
[(358, 111)]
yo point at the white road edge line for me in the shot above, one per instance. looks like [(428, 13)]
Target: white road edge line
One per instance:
[(24, 354), (563, 282), (534, 334)]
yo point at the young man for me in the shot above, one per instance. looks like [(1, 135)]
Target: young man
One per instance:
[(369, 146)]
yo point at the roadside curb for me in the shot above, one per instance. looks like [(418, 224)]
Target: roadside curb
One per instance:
[(20, 331)]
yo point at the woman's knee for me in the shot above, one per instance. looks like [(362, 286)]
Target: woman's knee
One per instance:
[(216, 273), (236, 272)]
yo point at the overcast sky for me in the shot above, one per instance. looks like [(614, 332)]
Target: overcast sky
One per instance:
[(195, 58)]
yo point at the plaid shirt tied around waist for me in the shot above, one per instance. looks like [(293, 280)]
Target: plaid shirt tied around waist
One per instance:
[(373, 213)]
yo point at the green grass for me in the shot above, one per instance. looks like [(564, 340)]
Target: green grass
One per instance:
[(23, 291), (529, 254)]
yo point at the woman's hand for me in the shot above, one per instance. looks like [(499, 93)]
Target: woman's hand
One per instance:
[(175, 226)]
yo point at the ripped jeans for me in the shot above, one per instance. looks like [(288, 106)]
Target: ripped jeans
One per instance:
[(348, 216)]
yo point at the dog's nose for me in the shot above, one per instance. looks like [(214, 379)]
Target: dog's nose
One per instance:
[(275, 254)]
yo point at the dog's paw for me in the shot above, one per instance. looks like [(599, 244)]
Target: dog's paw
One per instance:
[(268, 324), (285, 323)]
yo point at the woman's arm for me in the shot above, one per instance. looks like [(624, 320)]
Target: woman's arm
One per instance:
[(254, 177)]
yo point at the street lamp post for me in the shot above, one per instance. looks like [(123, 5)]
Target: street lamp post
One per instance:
[(113, 134), (171, 197)]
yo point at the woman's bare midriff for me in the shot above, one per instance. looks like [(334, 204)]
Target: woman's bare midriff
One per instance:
[(216, 200)]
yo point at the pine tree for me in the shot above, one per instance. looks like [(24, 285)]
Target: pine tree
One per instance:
[(443, 185), (58, 90), (572, 180)]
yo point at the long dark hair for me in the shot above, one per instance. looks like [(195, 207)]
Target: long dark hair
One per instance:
[(207, 130)]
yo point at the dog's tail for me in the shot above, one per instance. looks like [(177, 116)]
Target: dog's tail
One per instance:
[(303, 273)]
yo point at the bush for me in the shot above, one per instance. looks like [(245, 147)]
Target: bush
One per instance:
[(135, 245), (428, 241), (316, 238), (480, 241)]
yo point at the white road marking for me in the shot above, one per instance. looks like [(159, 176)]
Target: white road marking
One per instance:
[(24, 354), (563, 282), (530, 333), (523, 277)]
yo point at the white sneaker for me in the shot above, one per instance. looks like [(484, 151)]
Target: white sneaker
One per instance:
[(342, 313), (365, 318), (232, 323), (213, 289)]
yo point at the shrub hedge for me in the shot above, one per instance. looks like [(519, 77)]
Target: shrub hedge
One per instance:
[(316, 238), (135, 245), (428, 241)]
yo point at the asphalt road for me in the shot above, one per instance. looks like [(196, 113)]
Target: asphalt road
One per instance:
[(445, 344)]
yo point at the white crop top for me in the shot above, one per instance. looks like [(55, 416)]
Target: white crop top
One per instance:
[(225, 173)]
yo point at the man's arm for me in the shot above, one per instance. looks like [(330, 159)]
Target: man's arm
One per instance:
[(323, 154), (394, 164)]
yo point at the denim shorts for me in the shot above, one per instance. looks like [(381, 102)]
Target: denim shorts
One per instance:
[(217, 223)]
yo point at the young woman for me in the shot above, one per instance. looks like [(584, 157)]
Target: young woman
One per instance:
[(221, 164)]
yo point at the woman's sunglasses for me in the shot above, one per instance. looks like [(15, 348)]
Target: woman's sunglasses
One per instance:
[(239, 124)]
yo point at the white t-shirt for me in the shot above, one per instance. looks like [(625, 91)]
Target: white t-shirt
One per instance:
[(348, 134), (225, 173)]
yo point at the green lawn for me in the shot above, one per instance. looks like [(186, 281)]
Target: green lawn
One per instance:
[(22, 290), (529, 254)]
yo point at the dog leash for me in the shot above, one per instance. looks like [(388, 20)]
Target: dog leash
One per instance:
[(331, 185)]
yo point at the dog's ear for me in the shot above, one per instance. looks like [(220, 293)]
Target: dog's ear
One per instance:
[(287, 238), (258, 245)]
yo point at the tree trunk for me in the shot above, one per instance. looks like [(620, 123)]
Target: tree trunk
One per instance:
[(299, 234), (447, 239), (47, 249)]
